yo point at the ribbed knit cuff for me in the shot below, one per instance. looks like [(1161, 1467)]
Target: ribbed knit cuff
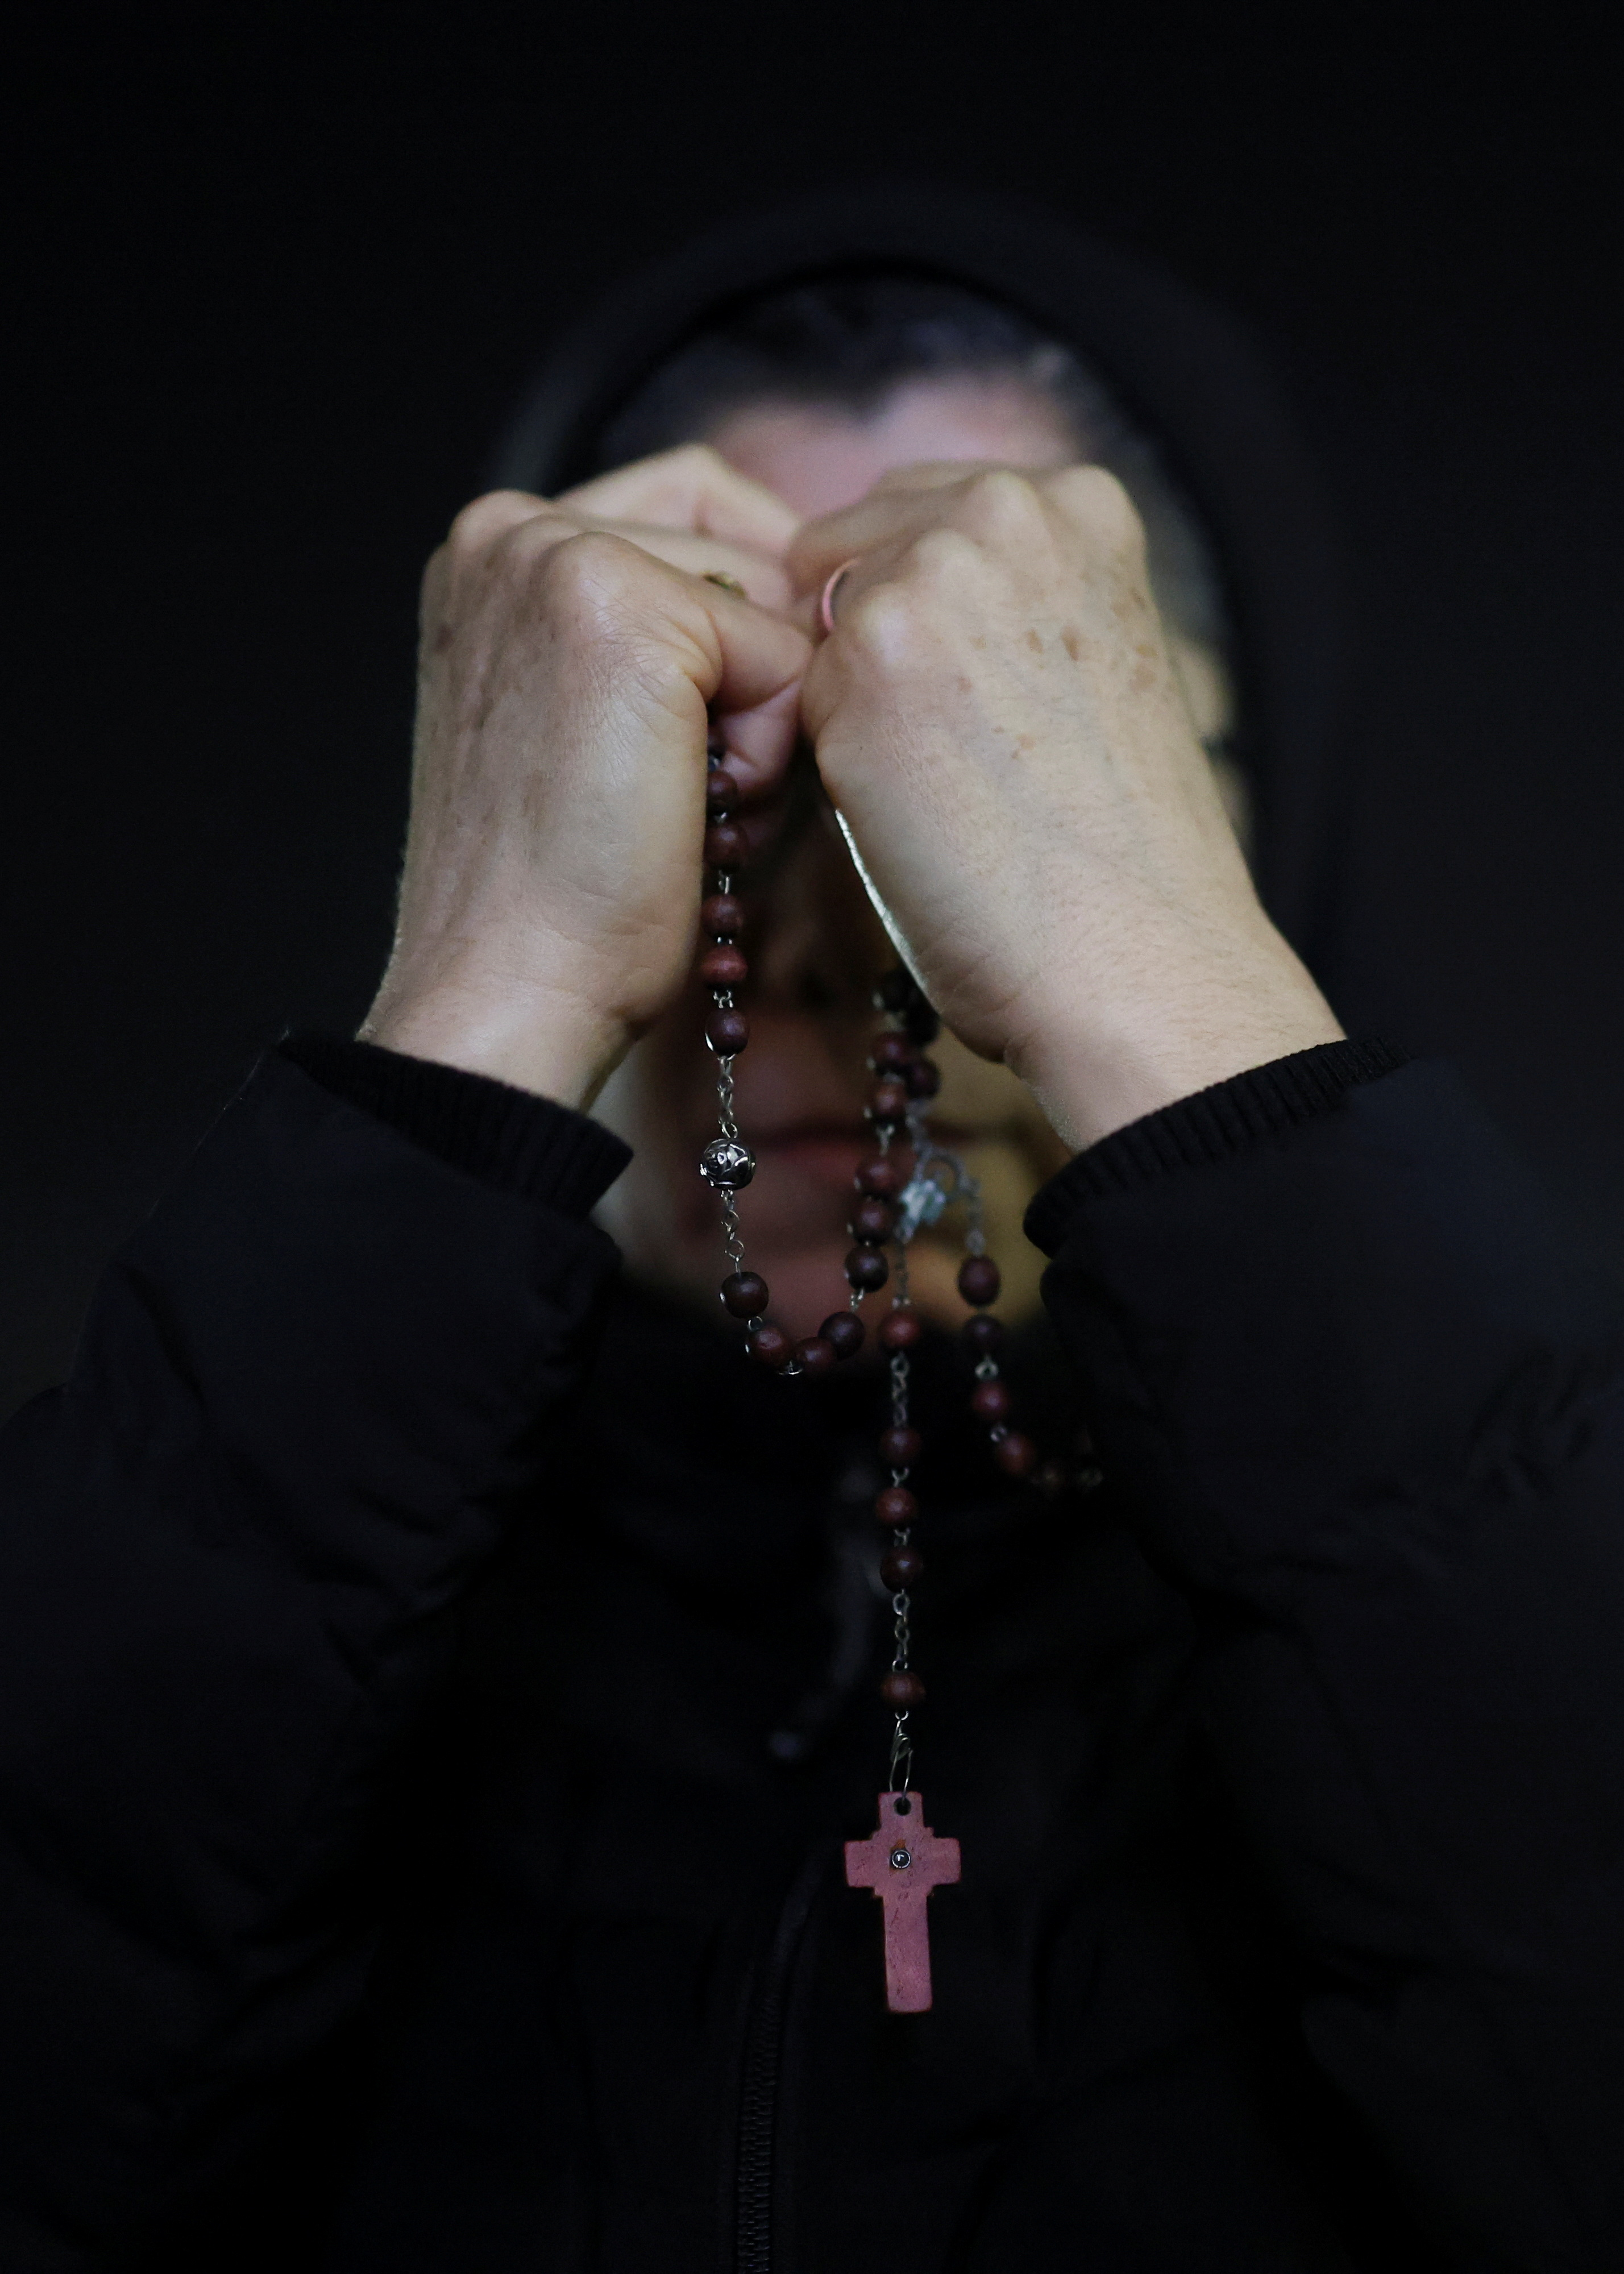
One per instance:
[(527, 1146), (1212, 1125)]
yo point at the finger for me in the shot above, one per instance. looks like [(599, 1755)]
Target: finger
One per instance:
[(765, 582), (755, 702), (692, 488), (932, 474), (903, 501), (819, 548), (485, 519)]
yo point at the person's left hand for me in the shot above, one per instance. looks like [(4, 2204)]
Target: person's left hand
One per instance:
[(998, 724)]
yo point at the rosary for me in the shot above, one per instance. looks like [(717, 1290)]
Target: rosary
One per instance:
[(904, 1859)]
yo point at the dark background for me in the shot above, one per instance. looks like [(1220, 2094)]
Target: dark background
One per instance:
[(273, 289)]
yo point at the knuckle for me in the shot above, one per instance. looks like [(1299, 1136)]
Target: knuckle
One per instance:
[(1001, 504), (1098, 502), (888, 623), (582, 567), (945, 557), (483, 520)]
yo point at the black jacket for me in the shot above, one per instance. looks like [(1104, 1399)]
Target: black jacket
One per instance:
[(433, 1694), (435, 1685)]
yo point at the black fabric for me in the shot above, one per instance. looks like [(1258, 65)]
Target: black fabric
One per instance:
[(1229, 1117), (506, 1137), (432, 1702)]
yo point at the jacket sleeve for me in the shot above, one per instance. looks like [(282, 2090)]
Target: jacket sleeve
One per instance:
[(1369, 1414), (304, 1394)]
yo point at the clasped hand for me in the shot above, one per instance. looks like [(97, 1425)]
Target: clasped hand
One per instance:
[(996, 718)]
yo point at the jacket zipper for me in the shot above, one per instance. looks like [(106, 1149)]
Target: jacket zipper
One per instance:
[(758, 2107)]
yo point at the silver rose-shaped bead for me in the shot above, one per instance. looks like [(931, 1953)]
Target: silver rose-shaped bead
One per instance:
[(726, 1164)]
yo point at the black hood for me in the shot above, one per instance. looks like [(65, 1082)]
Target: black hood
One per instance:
[(1183, 368)]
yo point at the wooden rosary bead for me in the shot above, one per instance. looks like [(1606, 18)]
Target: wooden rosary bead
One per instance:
[(724, 966), (888, 1103), (900, 1329), (721, 793), (771, 1345), (879, 1175), (727, 1032), (873, 1220), (815, 1356), (923, 1077), (896, 1506), (901, 1447), (1015, 1453), (891, 1053), (902, 1567), (867, 1268), (978, 1280), (990, 1401), (844, 1332), (982, 1334), (744, 1293), (722, 914), (900, 1689), (725, 845)]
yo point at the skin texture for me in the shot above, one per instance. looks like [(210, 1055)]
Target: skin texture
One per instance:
[(1009, 743)]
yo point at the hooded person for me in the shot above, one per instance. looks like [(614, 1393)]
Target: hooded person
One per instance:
[(441, 1679)]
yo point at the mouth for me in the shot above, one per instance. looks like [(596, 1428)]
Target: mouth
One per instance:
[(829, 1151)]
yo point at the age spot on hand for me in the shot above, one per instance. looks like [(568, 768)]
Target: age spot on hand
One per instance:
[(1073, 646), (1034, 643)]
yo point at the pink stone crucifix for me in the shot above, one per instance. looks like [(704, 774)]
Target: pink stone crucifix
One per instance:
[(902, 1862)]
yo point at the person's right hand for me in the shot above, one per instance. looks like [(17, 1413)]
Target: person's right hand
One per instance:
[(572, 656)]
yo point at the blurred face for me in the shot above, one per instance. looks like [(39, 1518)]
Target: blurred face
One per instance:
[(816, 949)]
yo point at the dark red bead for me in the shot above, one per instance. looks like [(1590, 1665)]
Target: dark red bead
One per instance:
[(902, 1567), (888, 1103), (879, 1174), (896, 1506), (978, 1280), (900, 1329), (982, 1334), (1015, 1453), (990, 1401), (844, 1332), (722, 914), (891, 1053), (727, 1032), (724, 967), (867, 1268), (771, 1345), (725, 845), (745, 1294), (873, 1220), (815, 1356), (721, 793), (923, 1078), (901, 1690), (901, 1447)]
